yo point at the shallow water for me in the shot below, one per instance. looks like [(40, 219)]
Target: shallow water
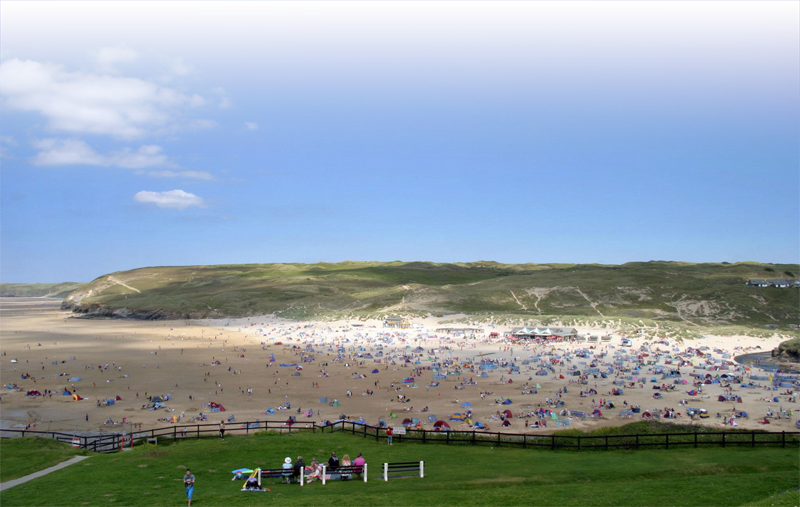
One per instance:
[(758, 360)]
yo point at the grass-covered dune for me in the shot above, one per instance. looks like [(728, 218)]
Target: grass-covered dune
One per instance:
[(53, 290), (455, 475), (707, 294)]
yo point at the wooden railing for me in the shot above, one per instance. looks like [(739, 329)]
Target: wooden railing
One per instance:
[(113, 442)]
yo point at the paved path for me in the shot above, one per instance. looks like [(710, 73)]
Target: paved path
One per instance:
[(16, 482)]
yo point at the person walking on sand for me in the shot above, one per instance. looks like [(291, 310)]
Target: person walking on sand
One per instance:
[(188, 484), (222, 430)]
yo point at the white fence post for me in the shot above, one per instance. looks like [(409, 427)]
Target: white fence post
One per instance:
[(386, 472), (421, 469), (324, 473), (365, 472), (259, 479), (302, 476)]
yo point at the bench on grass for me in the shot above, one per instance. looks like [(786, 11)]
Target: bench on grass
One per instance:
[(344, 473), (417, 467)]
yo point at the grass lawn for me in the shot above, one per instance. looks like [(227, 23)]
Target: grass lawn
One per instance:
[(23, 456), (455, 475)]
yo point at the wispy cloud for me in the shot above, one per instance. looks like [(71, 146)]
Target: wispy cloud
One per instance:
[(107, 58), (179, 67), (250, 125), (199, 175), (57, 152), (172, 199), (224, 100), (87, 103), (8, 141)]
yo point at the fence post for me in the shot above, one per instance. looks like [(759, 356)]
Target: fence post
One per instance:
[(198, 431), (498, 439), (553, 442), (783, 438), (386, 472), (723, 439), (637, 441), (247, 428), (174, 433), (695, 440), (421, 469), (606, 442), (754, 439), (324, 473), (353, 427), (579, 443), (524, 441), (365, 431), (447, 434), (365, 472), (666, 440)]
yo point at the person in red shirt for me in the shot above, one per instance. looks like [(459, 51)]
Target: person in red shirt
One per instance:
[(389, 434)]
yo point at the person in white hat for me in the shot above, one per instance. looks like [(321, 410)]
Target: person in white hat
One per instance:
[(287, 470)]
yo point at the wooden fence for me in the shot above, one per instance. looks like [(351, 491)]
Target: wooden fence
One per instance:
[(740, 438)]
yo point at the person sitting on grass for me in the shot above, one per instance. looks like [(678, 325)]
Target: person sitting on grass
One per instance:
[(238, 477), (315, 471)]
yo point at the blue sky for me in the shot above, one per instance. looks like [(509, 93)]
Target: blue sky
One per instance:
[(142, 134)]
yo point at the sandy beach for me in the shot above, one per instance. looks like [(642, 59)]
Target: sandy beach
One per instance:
[(141, 359)]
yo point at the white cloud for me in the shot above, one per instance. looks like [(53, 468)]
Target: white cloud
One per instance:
[(199, 175), (85, 103), (174, 199), (7, 140), (250, 125), (76, 152), (107, 58), (179, 67)]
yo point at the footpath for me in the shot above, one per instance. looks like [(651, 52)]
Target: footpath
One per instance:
[(16, 482)]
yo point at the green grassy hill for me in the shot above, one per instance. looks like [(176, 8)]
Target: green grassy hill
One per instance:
[(455, 475), (53, 290), (706, 294)]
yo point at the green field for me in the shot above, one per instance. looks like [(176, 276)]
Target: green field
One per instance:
[(53, 290), (455, 475), (647, 293), (23, 456)]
